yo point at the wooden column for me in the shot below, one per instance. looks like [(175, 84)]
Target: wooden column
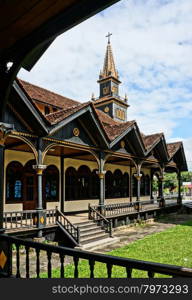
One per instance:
[(102, 188), (62, 183), (138, 177), (101, 174), (41, 215), (161, 192)]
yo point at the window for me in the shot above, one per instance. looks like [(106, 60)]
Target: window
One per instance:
[(51, 189), (14, 182), (47, 110)]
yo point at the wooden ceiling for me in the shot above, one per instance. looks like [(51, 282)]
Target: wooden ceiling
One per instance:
[(20, 17), (26, 25)]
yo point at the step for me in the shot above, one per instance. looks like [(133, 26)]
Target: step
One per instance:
[(93, 236), (91, 228), (91, 225), (93, 233), (84, 223), (91, 240), (96, 245)]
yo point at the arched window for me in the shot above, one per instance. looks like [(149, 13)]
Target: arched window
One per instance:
[(142, 188), (14, 182), (51, 183), (94, 189), (125, 185), (134, 186), (117, 184), (109, 184), (84, 182), (147, 185), (71, 184)]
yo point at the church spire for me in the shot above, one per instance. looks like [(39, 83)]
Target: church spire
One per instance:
[(109, 64)]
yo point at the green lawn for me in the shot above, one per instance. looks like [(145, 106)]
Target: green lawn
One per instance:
[(172, 246)]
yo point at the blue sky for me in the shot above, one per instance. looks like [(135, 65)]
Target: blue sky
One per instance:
[(152, 46)]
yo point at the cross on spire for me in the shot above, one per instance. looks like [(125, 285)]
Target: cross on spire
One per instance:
[(108, 36)]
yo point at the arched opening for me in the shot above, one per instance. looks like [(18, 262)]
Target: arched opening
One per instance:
[(84, 182), (14, 182), (71, 184), (142, 187), (50, 185), (94, 185), (125, 185), (155, 186), (109, 185), (147, 185), (134, 186), (117, 183)]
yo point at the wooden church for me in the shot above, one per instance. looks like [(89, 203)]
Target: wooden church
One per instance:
[(68, 154)]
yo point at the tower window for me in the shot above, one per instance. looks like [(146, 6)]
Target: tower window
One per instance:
[(120, 114)]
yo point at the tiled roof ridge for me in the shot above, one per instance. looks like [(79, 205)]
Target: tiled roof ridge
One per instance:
[(174, 143), (67, 109), (56, 117)]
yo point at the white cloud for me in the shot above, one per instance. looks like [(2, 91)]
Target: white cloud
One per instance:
[(152, 44)]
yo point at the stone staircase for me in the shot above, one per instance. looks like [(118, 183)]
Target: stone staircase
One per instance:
[(90, 232)]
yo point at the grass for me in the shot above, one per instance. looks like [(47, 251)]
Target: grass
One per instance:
[(172, 246)]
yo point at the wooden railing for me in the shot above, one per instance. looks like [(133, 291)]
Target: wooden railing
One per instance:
[(72, 230), (19, 219), (51, 216), (110, 210), (129, 264), (97, 217)]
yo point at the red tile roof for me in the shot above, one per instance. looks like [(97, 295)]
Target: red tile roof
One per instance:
[(112, 128), (40, 94), (173, 147), (60, 115), (68, 107), (150, 140)]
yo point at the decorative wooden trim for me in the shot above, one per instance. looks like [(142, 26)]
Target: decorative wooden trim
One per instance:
[(19, 133)]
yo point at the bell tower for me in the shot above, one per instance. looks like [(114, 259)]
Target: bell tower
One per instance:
[(109, 100), (109, 78)]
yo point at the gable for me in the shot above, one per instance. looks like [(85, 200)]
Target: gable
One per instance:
[(14, 117), (75, 132)]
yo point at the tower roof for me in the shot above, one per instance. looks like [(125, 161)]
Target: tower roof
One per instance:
[(109, 68)]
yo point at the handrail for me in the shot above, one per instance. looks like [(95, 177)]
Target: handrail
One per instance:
[(110, 261), (119, 208), (71, 229), (100, 219)]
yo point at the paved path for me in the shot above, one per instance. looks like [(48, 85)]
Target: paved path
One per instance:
[(127, 235)]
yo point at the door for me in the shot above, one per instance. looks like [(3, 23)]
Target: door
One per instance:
[(30, 187)]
